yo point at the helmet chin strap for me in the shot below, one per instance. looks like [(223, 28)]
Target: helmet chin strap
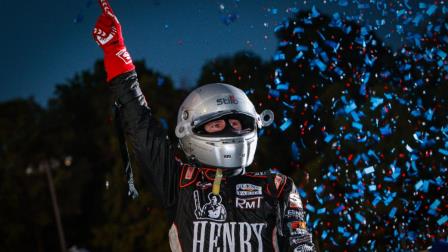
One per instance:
[(217, 182)]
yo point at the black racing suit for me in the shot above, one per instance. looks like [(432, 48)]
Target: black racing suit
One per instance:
[(252, 212)]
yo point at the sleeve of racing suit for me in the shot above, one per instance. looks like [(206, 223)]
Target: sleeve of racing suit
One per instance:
[(293, 234), (150, 142)]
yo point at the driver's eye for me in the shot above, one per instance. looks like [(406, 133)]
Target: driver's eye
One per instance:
[(236, 124), (215, 126)]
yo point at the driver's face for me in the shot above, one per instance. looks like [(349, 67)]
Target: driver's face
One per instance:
[(219, 125)]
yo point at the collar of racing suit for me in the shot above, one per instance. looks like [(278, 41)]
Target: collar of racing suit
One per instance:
[(209, 173)]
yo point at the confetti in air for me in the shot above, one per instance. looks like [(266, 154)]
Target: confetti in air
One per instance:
[(228, 12), (379, 115), (80, 16)]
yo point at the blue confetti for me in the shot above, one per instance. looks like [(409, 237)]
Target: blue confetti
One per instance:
[(279, 56), (355, 116), (286, 124), (441, 54), (363, 6), (279, 27), (314, 12), (349, 108), (431, 9), (295, 98), (435, 204), (443, 151), (368, 170), (321, 211), (376, 201), (338, 209), (442, 220), (386, 130), (360, 218), (418, 185), (283, 86), (324, 234), (301, 48), (392, 212), (429, 114), (298, 30), (357, 125), (295, 151), (320, 64), (318, 189), (328, 138), (375, 101), (343, 3), (229, 18), (310, 208), (400, 12)]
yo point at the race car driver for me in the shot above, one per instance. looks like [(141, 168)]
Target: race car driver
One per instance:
[(212, 202)]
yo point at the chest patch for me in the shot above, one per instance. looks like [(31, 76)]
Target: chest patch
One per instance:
[(248, 190), (248, 203), (203, 185), (212, 210)]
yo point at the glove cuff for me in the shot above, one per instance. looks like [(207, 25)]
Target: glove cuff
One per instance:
[(117, 62)]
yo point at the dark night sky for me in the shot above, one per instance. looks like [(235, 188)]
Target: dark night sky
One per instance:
[(44, 46)]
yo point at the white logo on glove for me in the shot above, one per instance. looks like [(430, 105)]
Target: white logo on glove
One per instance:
[(124, 55), (100, 35)]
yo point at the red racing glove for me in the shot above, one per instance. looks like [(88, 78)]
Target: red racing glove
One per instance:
[(107, 34)]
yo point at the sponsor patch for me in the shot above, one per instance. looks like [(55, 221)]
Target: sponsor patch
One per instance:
[(248, 203), (248, 190), (189, 173), (212, 210), (297, 231), (295, 214), (294, 201), (278, 181), (203, 185), (300, 241), (298, 224)]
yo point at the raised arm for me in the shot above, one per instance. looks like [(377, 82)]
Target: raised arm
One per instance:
[(151, 146)]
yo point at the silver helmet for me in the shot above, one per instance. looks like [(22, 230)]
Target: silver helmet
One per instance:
[(224, 150)]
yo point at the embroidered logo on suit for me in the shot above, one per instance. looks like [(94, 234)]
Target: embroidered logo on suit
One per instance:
[(212, 210)]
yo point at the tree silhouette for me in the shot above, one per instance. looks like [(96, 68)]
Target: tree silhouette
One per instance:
[(75, 136)]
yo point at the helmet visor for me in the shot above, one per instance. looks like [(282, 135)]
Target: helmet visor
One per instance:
[(228, 125)]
